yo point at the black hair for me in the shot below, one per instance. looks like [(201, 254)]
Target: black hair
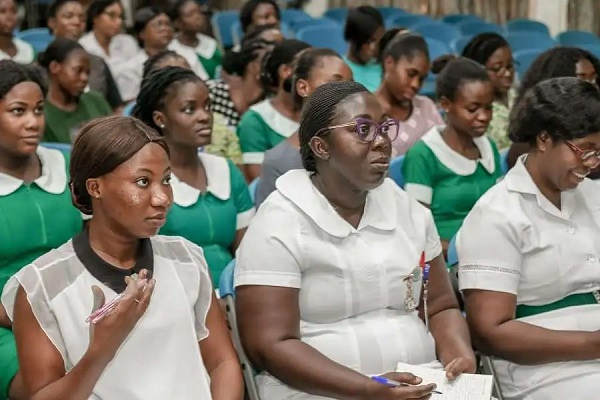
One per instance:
[(283, 54), (361, 24), (306, 61), (141, 19), (96, 9), (55, 6), (248, 9), (103, 145), (404, 45), (59, 50), (13, 73), (175, 11), (319, 111), (554, 63), (236, 61), (151, 63), (482, 46), (387, 38), (155, 88), (453, 72), (566, 108), (255, 32)]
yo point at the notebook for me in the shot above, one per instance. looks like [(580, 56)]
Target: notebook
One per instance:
[(465, 387)]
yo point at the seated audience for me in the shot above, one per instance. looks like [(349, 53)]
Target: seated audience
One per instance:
[(68, 106), (493, 52), (12, 48), (167, 324), (529, 251), (271, 121), (104, 39), (555, 63), (66, 20), (233, 97), (405, 60), (212, 203), (189, 22), (452, 166), (364, 28), (255, 13), (313, 68), (328, 280), (35, 201)]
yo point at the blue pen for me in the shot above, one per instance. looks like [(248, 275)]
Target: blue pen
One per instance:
[(393, 383)]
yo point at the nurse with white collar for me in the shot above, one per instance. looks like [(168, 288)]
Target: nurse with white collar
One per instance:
[(529, 251)]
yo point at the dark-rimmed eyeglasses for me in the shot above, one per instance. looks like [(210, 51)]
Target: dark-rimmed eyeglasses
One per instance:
[(367, 130), (590, 158)]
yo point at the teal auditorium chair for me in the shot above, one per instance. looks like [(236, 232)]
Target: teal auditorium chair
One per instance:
[(454, 19), (524, 59), (331, 37), (222, 22), (472, 28), (64, 147), (529, 41), (395, 172), (438, 30), (253, 187), (38, 38), (577, 38), (227, 294), (407, 21), (338, 14), (527, 25)]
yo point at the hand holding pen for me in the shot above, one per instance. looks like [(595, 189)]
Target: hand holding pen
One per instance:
[(399, 386), (112, 322)]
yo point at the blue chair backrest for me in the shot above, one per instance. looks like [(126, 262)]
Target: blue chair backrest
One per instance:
[(324, 36), (524, 59), (253, 187), (226, 287), (128, 109), (504, 161), (291, 15), (472, 28), (338, 14), (222, 22), (438, 30), (460, 18), (458, 45), (64, 147), (407, 21), (577, 38), (437, 48), (592, 48), (395, 172), (527, 25), (428, 88), (452, 254), (316, 22), (387, 12), (38, 38), (529, 41), (236, 32)]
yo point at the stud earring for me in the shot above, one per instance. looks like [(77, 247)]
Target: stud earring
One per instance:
[(162, 126)]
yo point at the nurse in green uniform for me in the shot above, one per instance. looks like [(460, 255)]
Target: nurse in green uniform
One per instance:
[(36, 214), (189, 22), (268, 123), (452, 166), (212, 205)]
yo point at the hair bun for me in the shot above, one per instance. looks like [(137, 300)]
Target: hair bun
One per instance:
[(440, 63)]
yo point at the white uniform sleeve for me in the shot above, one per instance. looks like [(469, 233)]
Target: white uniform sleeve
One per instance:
[(433, 248), (488, 252), (205, 291), (270, 252)]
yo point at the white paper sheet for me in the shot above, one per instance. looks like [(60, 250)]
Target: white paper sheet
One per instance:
[(465, 387)]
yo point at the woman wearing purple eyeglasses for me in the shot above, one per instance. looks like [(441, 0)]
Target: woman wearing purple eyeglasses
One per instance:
[(328, 277)]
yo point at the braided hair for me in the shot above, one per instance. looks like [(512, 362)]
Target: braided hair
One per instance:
[(155, 88), (13, 73), (318, 113), (453, 72), (282, 54), (482, 46), (235, 62), (103, 145)]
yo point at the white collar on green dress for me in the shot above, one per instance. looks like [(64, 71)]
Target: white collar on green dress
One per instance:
[(217, 182), (456, 162), (52, 180), (276, 121), (206, 47)]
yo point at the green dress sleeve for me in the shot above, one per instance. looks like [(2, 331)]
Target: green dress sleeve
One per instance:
[(241, 197), (419, 172), (253, 141)]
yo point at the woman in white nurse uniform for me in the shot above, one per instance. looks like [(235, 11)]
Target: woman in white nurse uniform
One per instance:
[(529, 251), (328, 276)]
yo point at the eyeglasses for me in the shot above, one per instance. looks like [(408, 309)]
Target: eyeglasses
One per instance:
[(367, 130), (114, 15), (590, 158)]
